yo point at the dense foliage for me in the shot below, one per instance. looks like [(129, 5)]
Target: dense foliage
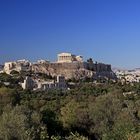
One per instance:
[(107, 111)]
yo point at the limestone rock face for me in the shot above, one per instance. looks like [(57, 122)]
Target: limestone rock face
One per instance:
[(77, 70)]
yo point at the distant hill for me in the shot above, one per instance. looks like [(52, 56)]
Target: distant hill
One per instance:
[(129, 70), (119, 69), (137, 68)]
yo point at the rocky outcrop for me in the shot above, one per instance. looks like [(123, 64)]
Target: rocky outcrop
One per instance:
[(77, 70)]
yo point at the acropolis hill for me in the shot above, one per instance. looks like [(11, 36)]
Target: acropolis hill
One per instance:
[(68, 65)]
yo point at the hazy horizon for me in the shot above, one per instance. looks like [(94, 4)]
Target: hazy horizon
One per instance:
[(108, 31)]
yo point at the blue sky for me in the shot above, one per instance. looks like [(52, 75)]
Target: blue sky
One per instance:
[(106, 30)]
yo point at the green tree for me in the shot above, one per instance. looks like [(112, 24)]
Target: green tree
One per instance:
[(13, 124), (68, 114), (123, 129), (103, 113)]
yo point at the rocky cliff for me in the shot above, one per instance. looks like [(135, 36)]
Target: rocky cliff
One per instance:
[(74, 70)]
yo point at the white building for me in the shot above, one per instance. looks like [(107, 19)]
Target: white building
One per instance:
[(79, 58), (128, 76), (37, 84), (41, 61), (8, 66), (20, 65), (28, 83), (68, 57), (45, 85)]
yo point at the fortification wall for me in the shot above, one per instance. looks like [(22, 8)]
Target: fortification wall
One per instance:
[(72, 65)]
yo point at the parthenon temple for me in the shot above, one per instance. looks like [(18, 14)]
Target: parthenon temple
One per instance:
[(68, 57)]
